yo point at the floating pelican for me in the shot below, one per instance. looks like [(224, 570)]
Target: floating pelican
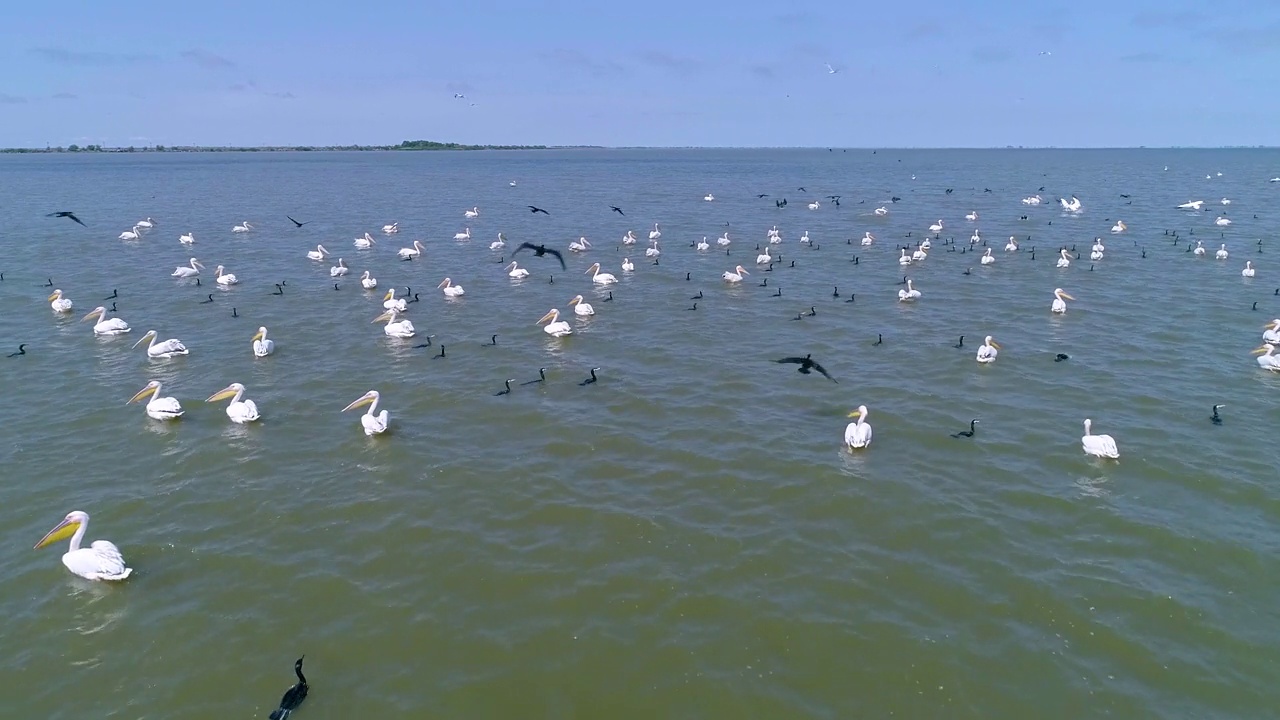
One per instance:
[(987, 259), (1095, 255), (395, 328), (1226, 201), (243, 227), (133, 234), (988, 351), (867, 239), (262, 345), (190, 270), (515, 272), (630, 238), (972, 216), (655, 233), (372, 424), (1098, 246), (723, 240), (600, 278), (627, 265), (59, 303), (318, 254), (910, 293), (702, 245), (159, 408), (880, 211), (1191, 205), (764, 258), (858, 434), (805, 238), (1098, 445), (580, 245), (474, 212), (919, 254), (224, 277), (498, 244), (412, 252), (1222, 252), (905, 259), (449, 289), (364, 243), (148, 224), (464, 235), (1266, 360), (1199, 251), (735, 275), (391, 229), (709, 197), (1248, 269), (815, 205), (367, 281), (105, 325), (391, 302), (240, 411), (556, 327), (1012, 245), (1222, 221), (100, 561), (166, 349), (1060, 305), (340, 269), (1273, 335), (581, 308), (187, 239), (1119, 227), (1064, 259), (652, 252), (936, 227)]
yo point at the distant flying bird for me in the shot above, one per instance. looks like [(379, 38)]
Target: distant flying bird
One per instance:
[(459, 96), (536, 210), (617, 209), (806, 364), (298, 224), (1045, 52), (831, 70), (540, 251), (762, 195), (66, 214)]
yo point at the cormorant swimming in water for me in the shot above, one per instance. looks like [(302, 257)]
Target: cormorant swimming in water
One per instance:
[(542, 377), (294, 696), (591, 379), (206, 302), (492, 341), (1061, 357), (22, 350), (969, 432), (961, 343), (806, 364), (1216, 419), (507, 391)]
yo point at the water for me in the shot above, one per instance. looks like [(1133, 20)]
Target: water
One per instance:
[(686, 537)]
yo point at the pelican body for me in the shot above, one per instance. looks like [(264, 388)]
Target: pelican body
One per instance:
[(340, 269), (159, 408), (368, 281), (580, 307), (391, 302), (1267, 360), (600, 278), (735, 275), (1273, 334), (556, 327), (262, 346), (857, 434), (240, 411), (988, 351), (318, 254), (372, 424), (449, 289), (410, 253), (909, 294), (395, 328), (190, 270), (106, 325), (515, 272), (59, 303), (100, 561), (1059, 305), (224, 277), (172, 347), (1103, 446)]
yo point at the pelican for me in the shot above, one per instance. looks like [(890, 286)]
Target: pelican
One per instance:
[(1222, 252), (556, 327), (867, 239), (905, 259), (1199, 251), (224, 277), (1226, 201), (580, 245), (1012, 245), (1222, 221), (988, 351), (880, 211), (148, 224), (449, 289), (364, 243), (987, 259), (100, 561), (723, 240), (262, 346), (1098, 246), (815, 205), (318, 254), (105, 325), (158, 408), (630, 238), (187, 239), (709, 197), (1065, 259), (1191, 205), (372, 424), (340, 269), (498, 244), (975, 238), (858, 434), (910, 293), (735, 275), (474, 212), (1098, 445), (702, 245), (464, 235), (240, 411), (133, 234), (410, 253), (581, 308), (185, 271), (1248, 269), (391, 302), (515, 272), (59, 303), (919, 255), (652, 251), (1273, 335), (972, 216), (166, 349), (1266, 360), (243, 227), (395, 328), (367, 281), (764, 258), (1060, 305), (1119, 227), (627, 265), (600, 278), (1095, 255), (1032, 200), (1072, 206), (655, 233), (936, 227), (391, 229)]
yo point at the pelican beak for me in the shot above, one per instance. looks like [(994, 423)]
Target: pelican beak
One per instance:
[(199, 264), (222, 394), (854, 414), (546, 317), (1067, 296), (54, 296), (144, 338), (995, 344), (64, 530), (144, 392), (442, 284), (382, 317), (257, 335), (94, 314), (1258, 351), (575, 301), (388, 296), (363, 400)]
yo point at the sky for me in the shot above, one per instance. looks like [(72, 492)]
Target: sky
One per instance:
[(741, 73)]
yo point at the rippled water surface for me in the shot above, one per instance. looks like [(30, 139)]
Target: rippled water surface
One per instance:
[(685, 537)]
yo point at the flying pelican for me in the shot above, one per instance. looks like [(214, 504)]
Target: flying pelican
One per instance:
[(858, 434), (464, 235), (159, 408), (243, 227), (262, 346), (910, 293), (1098, 445), (867, 239), (1060, 305), (224, 277), (600, 278), (395, 328), (655, 233), (367, 281), (1012, 245), (391, 229), (474, 212), (105, 325), (702, 245), (1222, 252), (240, 411), (556, 327), (364, 243), (581, 308), (1266, 360), (59, 303), (185, 271), (516, 272), (652, 252), (391, 302), (372, 424), (100, 561), (579, 245), (627, 265), (498, 244), (735, 275), (1064, 260), (451, 290), (148, 224), (764, 258), (1119, 227), (1222, 221), (1199, 251), (1248, 269), (972, 216), (166, 349), (318, 254), (905, 259), (988, 351), (410, 253), (187, 239), (1273, 335), (987, 259), (1191, 205), (133, 234), (340, 269)]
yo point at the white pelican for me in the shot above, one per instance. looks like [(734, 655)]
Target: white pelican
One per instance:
[(1098, 246), (372, 424), (262, 345), (449, 289), (1119, 227), (723, 240), (905, 259), (498, 244), (191, 270), (133, 234), (556, 327), (1098, 445), (148, 224), (805, 238), (474, 212), (1012, 245), (391, 229), (702, 245), (166, 349), (318, 254), (1032, 200), (395, 328), (627, 265), (1199, 251), (936, 227), (858, 434), (1191, 205), (764, 258), (224, 277), (1095, 255), (1060, 305), (581, 308), (364, 243), (410, 253), (340, 269), (243, 227), (630, 238), (1064, 259), (975, 238), (1248, 269), (1273, 335), (881, 211), (515, 272), (187, 239), (240, 411), (1072, 206), (919, 254), (1266, 360), (988, 351), (867, 239), (1222, 221), (391, 302), (1222, 252), (59, 303), (987, 259), (652, 251), (100, 561), (367, 281), (655, 233), (709, 197), (735, 275), (464, 235), (105, 325), (1226, 201), (600, 278), (815, 205), (158, 408), (910, 293), (973, 215), (580, 245)]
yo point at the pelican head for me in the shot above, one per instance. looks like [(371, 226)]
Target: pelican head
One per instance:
[(261, 334), (151, 389), (576, 299), (365, 399), (551, 316), (150, 335), (1265, 348), (97, 312), (1274, 323), (860, 412), (391, 294), (57, 294), (197, 264), (444, 283), (1058, 292), (595, 267), (321, 249), (512, 266), (741, 271), (246, 224), (229, 391), (65, 529), (992, 343)]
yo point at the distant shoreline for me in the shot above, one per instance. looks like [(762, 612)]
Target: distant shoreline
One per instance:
[(406, 146)]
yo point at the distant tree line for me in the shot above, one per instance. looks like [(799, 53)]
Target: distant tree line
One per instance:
[(406, 145)]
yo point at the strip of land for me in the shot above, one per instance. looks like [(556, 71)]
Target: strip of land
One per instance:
[(410, 145)]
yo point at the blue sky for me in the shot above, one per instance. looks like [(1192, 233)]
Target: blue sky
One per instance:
[(912, 73)]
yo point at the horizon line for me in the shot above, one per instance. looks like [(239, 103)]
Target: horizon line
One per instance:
[(469, 147)]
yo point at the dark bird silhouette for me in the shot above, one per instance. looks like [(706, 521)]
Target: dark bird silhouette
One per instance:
[(1216, 419), (234, 313), (695, 307), (879, 339), (425, 344), (206, 302), (813, 310), (591, 379), (852, 297), (542, 377), (335, 286), (1255, 304), (414, 300), (968, 271), (610, 298), (437, 357), (114, 294), (66, 214), (541, 251), (492, 341), (615, 208), (294, 696), (761, 195), (279, 290), (197, 282), (508, 390), (697, 297), (535, 210), (22, 350), (835, 291), (802, 189), (49, 282), (688, 277), (961, 343), (807, 364), (298, 224), (113, 307), (967, 433), (1061, 356)]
